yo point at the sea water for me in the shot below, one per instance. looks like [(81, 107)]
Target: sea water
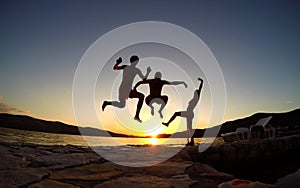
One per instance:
[(133, 152), (23, 136)]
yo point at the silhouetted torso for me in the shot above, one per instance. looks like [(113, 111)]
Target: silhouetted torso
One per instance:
[(129, 73), (156, 86), (193, 102)]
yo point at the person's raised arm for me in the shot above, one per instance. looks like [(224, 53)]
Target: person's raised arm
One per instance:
[(200, 86), (139, 83), (118, 62), (147, 74), (178, 82)]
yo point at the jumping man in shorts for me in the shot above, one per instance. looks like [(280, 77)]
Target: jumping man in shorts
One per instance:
[(125, 89)]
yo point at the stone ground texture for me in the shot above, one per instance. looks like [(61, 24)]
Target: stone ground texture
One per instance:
[(37, 166)]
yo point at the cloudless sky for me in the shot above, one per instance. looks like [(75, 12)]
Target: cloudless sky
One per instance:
[(257, 45)]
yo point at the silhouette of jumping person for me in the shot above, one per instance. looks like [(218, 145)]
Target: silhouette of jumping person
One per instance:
[(125, 91), (155, 96), (189, 113)]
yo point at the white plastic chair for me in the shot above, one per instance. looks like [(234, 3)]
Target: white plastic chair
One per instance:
[(242, 134), (268, 131)]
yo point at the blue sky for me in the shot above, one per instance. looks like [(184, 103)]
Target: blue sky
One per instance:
[(256, 43)]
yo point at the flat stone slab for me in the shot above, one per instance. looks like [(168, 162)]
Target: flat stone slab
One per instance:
[(147, 182), (8, 161), (51, 183), (165, 169), (21, 177), (206, 176), (87, 172), (25, 165), (62, 160), (4, 149)]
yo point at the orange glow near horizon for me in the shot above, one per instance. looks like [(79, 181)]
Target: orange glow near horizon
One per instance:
[(149, 127), (121, 120), (143, 129)]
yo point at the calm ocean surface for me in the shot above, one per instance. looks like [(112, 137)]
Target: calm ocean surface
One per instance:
[(117, 150), (14, 135)]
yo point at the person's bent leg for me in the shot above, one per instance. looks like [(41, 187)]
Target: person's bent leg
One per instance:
[(149, 103), (118, 104), (139, 107), (163, 104), (140, 96), (172, 118)]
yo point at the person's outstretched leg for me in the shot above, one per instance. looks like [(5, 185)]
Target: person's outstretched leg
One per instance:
[(172, 118), (140, 96), (163, 104)]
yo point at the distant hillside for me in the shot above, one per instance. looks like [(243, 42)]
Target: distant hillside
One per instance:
[(288, 120), (32, 124)]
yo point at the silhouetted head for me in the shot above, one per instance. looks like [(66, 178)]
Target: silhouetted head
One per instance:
[(157, 75), (134, 59)]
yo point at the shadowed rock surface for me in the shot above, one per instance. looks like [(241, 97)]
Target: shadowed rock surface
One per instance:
[(259, 160), (30, 165)]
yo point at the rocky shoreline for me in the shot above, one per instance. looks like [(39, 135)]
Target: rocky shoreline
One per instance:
[(261, 160), (31, 165)]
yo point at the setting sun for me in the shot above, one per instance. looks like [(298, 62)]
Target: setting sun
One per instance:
[(154, 141), (154, 133)]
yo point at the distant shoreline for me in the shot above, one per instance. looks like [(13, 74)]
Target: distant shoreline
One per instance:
[(287, 123)]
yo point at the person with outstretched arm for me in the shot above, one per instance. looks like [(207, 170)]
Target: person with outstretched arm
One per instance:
[(125, 89), (189, 113), (155, 96)]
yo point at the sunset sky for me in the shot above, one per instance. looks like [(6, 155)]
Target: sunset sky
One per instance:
[(256, 43)]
